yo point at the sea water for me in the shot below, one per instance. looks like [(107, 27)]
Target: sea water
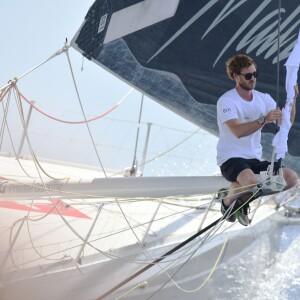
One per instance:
[(270, 270)]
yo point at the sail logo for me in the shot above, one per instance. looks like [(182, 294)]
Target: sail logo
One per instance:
[(28, 188), (249, 36), (102, 23), (2, 186)]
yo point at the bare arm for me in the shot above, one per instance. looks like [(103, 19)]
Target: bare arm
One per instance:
[(293, 111), (244, 129)]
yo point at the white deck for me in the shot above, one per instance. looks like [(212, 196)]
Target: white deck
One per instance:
[(44, 236)]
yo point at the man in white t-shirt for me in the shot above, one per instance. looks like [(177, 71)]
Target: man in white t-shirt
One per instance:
[(242, 112)]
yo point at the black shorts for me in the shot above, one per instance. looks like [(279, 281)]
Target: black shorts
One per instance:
[(232, 167)]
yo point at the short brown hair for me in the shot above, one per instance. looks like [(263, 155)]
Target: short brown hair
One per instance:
[(238, 62)]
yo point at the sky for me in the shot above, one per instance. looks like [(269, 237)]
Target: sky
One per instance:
[(31, 32)]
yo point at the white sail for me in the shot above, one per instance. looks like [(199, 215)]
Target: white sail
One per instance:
[(292, 67)]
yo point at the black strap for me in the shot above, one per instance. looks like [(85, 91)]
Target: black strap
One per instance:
[(159, 259)]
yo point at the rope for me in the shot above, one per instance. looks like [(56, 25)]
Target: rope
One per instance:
[(212, 270), (167, 267), (156, 261), (137, 135), (129, 224), (163, 153), (5, 111), (116, 257), (86, 121), (19, 104), (83, 113), (171, 277), (277, 88), (10, 136), (140, 243), (15, 80), (278, 55), (206, 279), (54, 204), (205, 239), (78, 122), (103, 237), (21, 113)]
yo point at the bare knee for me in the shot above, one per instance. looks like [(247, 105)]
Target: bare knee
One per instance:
[(247, 178), (290, 177)]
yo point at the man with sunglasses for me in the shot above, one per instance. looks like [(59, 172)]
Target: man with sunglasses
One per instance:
[(242, 112)]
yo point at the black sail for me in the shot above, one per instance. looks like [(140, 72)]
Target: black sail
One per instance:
[(175, 52)]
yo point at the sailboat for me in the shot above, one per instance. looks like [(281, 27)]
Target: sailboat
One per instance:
[(77, 235)]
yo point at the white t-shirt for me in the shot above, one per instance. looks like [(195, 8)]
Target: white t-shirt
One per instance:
[(232, 106)]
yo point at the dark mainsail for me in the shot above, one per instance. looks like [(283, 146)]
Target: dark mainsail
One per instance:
[(174, 51)]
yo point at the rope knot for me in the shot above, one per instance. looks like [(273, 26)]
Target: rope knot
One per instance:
[(13, 81)]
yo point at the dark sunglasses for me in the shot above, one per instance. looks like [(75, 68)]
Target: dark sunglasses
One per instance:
[(248, 76)]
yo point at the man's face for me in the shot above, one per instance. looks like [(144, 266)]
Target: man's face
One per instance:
[(247, 78)]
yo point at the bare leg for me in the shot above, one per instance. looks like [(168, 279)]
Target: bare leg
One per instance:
[(290, 177), (240, 191), (245, 181)]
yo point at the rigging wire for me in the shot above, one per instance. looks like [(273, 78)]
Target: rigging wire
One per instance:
[(230, 226), (140, 243), (192, 254), (177, 261), (143, 262), (154, 158), (10, 137), (103, 237), (60, 51), (163, 153), (211, 272), (83, 112), (56, 208), (156, 261), (278, 53), (21, 113), (277, 84), (37, 164), (5, 111), (79, 122), (188, 259), (41, 218), (63, 257), (133, 166)]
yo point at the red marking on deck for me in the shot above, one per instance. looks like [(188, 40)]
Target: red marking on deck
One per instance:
[(54, 207)]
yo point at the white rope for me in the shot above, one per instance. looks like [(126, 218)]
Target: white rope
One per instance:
[(60, 51), (11, 139), (83, 112)]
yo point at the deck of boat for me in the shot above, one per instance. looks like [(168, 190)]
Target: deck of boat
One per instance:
[(82, 246)]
